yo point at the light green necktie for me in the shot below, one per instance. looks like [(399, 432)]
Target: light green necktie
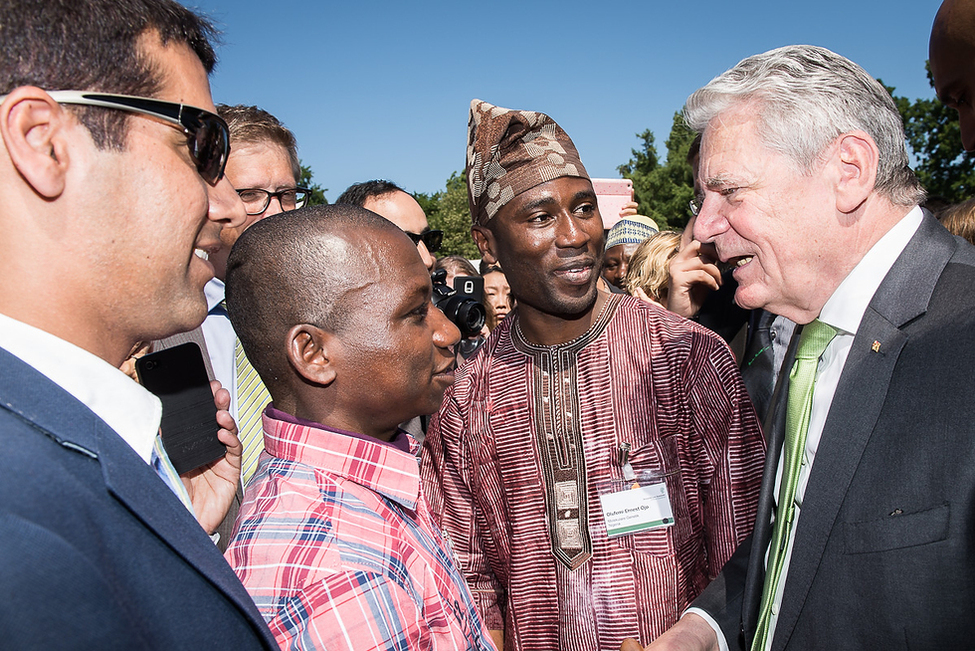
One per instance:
[(802, 380), (252, 397)]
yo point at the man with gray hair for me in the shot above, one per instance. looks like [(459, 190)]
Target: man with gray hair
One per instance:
[(865, 528)]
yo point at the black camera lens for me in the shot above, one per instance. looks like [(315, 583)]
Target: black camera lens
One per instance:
[(465, 312)]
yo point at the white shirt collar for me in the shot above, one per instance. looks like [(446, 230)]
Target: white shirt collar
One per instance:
[(215, 291), (122, 403), (844, 309)]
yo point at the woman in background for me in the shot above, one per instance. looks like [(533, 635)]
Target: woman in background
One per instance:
[(648, 275)]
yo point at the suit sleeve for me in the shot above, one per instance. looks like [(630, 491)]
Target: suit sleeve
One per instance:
[(734, 448), (722, 599), (447, 474)]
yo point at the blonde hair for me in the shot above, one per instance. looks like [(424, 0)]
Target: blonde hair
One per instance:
[(649, 267), (959, 219)]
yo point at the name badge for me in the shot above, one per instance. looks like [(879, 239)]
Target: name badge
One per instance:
[(632, 506)]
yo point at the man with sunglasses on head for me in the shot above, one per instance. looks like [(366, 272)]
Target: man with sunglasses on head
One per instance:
[(112, 165), (388, 200)]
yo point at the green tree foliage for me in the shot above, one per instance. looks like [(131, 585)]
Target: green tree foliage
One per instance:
[(934, 137), (430, 203), (317, 196), (447, 210), (663, 190)]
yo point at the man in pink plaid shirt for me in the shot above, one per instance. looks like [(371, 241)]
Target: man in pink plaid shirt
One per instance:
[(334, 540)]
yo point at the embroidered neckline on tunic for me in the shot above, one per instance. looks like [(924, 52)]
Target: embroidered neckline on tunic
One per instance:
[(522, 344), (558, 434)]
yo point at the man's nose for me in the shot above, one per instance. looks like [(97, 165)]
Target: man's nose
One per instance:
[(225, 204), (709, 223)]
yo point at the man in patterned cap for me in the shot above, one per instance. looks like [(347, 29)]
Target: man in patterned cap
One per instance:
[(588, 494), (623, 238)]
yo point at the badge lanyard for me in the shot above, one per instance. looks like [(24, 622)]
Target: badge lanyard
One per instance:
[(638, 502)]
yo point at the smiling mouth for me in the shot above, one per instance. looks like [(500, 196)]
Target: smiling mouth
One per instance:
[(736, 262), (578, 273)]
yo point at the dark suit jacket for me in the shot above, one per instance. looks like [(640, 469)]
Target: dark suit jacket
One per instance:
[(884, 553), (95, 551)]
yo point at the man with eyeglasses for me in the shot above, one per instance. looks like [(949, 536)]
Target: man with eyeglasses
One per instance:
[(865, 524), (263, 168), (392, 202), (109, 190)]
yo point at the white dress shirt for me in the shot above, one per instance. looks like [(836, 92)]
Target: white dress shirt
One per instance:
[(221, 338), (113, 396), (843, 311), (781, 334)]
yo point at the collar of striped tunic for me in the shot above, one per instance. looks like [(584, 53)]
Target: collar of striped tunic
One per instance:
[(390, 469)]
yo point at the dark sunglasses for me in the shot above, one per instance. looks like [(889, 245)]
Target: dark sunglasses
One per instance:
[(431, 239), (207, 134)]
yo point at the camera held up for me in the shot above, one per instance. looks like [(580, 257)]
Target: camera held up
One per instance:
[(463, 309)]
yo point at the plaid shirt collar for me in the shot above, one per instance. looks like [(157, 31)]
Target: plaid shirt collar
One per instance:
[(378, 466)]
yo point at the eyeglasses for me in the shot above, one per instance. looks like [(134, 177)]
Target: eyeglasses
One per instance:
[(431, 239), (256, 200), (695, 205), (207, 134)]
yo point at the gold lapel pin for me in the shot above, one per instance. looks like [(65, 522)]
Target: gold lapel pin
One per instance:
[(875, 347)]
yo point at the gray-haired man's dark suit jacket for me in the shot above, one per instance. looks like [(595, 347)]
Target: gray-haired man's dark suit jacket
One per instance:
[(884, 553)]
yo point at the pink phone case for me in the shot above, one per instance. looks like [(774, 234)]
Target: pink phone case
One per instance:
[(611, 196)]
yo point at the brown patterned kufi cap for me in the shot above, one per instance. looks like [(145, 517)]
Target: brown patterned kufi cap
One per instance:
[(509, 152)]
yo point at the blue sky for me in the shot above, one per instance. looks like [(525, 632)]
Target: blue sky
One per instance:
[(382, 89)]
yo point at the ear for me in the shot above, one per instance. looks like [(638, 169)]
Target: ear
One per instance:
[(308, 353), (857, 158), (33, 127), (484, 239)]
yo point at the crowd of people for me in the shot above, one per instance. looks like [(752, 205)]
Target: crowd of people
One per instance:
[(753, 434)]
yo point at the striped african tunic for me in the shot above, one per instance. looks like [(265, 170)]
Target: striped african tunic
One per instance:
[(529, 435)]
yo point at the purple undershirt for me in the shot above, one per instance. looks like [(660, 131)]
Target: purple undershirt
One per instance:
[(401, 441)]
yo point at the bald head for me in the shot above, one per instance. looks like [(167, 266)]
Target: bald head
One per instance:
[(955, 18), (304, 266), (333, 307), (952, 56)]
